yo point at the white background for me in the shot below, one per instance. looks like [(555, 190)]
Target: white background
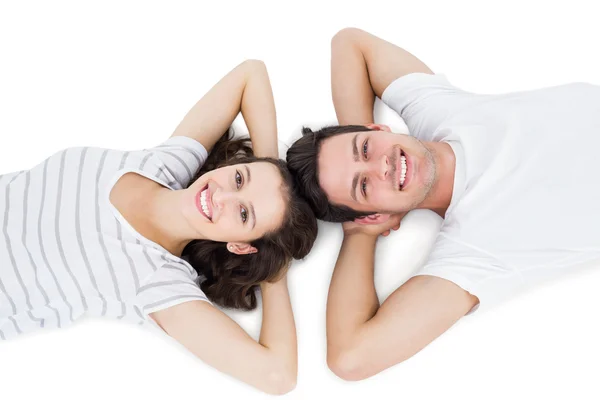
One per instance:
[(122, 74)]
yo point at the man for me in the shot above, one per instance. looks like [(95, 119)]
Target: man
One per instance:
[(512, 175)]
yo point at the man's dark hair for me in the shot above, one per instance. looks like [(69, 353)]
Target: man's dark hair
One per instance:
[(302, 160)]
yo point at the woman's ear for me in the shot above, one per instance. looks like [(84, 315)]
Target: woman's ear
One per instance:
[(379, 127), (372, 219), (241, 248)]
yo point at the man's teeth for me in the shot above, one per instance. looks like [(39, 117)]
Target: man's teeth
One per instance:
[(204, 203), (403, 173)]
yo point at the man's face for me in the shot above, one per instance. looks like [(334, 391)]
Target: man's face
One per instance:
[(376, 171)]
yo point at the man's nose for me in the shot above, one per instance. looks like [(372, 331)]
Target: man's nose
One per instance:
[(383, 167)]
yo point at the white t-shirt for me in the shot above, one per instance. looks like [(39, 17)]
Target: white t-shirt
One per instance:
[(526, 202), (66, 252)]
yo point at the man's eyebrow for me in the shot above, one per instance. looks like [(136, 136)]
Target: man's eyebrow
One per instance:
[(354, 148), (353, 188)]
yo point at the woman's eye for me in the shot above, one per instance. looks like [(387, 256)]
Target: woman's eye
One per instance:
[(244, 215), (364, 187), (238, 179), (365, 147)]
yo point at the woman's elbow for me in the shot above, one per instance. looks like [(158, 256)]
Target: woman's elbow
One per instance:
[(280, 382)]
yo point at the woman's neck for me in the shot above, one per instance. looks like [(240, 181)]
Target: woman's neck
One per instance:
[(166, 224)]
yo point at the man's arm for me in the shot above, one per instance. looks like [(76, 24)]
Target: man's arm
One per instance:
[(364, 338), (362, 67)]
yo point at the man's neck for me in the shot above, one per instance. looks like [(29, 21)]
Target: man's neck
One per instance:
[(440, 196)]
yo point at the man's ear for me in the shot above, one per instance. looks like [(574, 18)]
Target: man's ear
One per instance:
[(241, 248), (379, 127), (372, 219)]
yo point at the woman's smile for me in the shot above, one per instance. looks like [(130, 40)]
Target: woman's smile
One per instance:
[(204, 202)]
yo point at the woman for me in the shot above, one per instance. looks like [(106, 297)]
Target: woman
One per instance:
[(157, 236)]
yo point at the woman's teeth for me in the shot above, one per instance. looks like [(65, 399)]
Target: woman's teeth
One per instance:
[(403, 173), (204, 203)]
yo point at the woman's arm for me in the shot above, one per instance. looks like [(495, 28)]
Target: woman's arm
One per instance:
[(247, 89), (270, 365)]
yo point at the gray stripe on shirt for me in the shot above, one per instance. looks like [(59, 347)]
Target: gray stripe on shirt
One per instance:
[(84, 255), (120, 237), (138, 312), (43, 251), (175, 156), (173, 298), (166, 283), (145, 251), (176, 267), (61, 251), (161, 170), (12, 319), (101, 236), (136, 279), (8, 248), (193, 153), (144, 160), (187, 267), (31, 261)]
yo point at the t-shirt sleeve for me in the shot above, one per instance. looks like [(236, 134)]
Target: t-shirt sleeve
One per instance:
[(425, 101), (170, 285), (176, 161), (473, 270)]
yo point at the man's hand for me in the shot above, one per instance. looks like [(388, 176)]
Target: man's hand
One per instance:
[(373, 229)]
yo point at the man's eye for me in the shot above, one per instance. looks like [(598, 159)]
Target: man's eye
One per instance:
[(238, 179), (244, 215), (365, 148), (364, 187)]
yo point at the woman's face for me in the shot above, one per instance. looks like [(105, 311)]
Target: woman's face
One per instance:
[(237, 203)]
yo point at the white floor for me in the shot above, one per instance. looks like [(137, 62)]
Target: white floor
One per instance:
[(122, 74)]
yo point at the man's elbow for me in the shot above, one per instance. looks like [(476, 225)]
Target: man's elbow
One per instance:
[(346, 36), (345, 364), (352, 365)]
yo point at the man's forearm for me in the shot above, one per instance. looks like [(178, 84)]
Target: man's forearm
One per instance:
[(352, 297), (353, 97)]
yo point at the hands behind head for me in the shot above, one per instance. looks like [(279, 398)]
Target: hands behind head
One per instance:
[(373, 225)]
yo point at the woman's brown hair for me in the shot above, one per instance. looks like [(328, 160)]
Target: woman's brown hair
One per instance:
[(230, 280)]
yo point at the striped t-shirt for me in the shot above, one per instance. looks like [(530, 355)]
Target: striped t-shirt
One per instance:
[(66, 252)]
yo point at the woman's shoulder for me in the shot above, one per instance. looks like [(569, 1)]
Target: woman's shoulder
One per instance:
[(175, 162)]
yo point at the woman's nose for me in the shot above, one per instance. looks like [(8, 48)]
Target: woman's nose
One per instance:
[(220, 198)]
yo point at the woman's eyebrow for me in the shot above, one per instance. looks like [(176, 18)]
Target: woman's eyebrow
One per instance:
[(248, 173), (253, 215)]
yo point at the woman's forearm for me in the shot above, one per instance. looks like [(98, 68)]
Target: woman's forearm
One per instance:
[(258, 110), (278, 332)]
